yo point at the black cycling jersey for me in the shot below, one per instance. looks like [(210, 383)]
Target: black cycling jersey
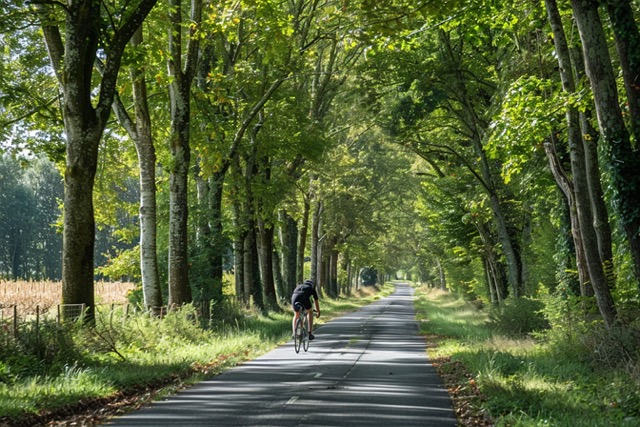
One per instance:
[(302, 294)]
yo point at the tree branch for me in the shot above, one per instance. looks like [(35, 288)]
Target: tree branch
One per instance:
[(247, 121), (193, 43), (114, 56), (53, 41)]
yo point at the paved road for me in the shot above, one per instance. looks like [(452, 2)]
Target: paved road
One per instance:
[(368, 368)]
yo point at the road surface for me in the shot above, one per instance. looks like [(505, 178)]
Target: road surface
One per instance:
[(368, 368)]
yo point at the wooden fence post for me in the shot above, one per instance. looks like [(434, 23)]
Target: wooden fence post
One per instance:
[(15, 321), (38, 324)]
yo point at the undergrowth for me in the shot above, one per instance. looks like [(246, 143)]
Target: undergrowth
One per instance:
[(536, 373)]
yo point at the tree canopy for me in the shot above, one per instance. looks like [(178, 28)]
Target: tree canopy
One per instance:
[(235, 147)]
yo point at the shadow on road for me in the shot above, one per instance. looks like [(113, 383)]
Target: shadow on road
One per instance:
[(366, 368)]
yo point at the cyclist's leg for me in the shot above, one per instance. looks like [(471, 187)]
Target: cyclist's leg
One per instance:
[(295, 300), (296, 315), (307, 305)]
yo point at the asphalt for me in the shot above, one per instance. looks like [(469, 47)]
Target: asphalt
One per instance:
[(368, 368)]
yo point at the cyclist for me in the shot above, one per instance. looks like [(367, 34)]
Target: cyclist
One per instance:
[(302, 294)]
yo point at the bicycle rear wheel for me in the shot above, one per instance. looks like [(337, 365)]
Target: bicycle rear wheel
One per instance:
[(305, 336), (298, 334)]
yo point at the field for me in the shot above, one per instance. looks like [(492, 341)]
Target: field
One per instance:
[(26, 295)]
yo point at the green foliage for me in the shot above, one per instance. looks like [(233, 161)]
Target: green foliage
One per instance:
[(369, 276), (615, 348), (43, 349), (569, 316), (530, 111), (519, 317), (125, 264), (531, 383)]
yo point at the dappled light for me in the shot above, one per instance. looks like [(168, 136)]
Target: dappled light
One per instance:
[(366, 368)]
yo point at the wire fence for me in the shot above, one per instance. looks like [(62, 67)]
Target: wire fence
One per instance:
[(13, 319)]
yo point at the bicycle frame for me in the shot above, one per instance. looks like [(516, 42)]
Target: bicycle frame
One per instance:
[(301, 331)]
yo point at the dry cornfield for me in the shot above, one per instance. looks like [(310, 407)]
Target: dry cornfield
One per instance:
[(46, 295)]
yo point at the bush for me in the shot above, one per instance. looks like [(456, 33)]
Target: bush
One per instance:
[(615, 348), (519, 317)]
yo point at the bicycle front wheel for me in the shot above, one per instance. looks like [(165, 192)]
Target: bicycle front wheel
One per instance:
[(298, 334)]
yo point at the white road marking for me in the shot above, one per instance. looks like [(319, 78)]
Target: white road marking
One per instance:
[(318, 375), (292, 400)]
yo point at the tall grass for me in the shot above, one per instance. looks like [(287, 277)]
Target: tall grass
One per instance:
[(526, 382), (47, 294)]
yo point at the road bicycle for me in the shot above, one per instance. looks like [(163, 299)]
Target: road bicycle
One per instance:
[(301, 330)]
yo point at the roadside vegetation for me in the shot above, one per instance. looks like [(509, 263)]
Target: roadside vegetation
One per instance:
[(53, 372), (533, 364)]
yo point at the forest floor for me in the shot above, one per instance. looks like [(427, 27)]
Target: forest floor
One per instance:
[(465, 395)]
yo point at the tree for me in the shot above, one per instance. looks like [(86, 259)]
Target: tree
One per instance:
[(85, 119), (627, 39), (139, 130), (578, 191), (623, 161), (181, 63)]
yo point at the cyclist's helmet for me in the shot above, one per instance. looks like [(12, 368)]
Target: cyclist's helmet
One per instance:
[(310, 282)]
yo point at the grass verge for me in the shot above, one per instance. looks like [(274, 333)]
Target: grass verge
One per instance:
[(123, 366), (496, 380)]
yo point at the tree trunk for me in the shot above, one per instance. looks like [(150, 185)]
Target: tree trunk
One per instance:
[(600, 215), (302, 240), (282, 294), (216, 186), (332, 268), (178, 263), (181, 77), (496, 272), (488, 273), (240, 225), (238, 267), (265, 258), (349, 278), (471, 120), (143, 141), (253, 286), (441, 274), (627, 39), (315, 243), (288, 243), (576, 190), (79, 224), (323, 270), (510, 249), (600, 72), (140, 133)]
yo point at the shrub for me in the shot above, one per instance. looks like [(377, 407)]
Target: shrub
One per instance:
[(519, 317), (615, 348)]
